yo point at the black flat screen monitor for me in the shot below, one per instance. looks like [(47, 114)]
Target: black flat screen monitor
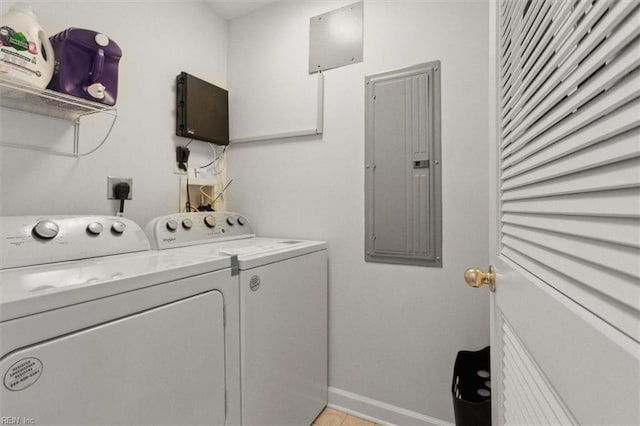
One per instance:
[(202, 110)]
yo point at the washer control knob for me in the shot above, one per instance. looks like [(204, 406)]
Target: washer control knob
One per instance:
[(231, 221), (172, 225), (241, 221), (210, 221), (46, 229), (118, 227), (187, 223), (95, 228)]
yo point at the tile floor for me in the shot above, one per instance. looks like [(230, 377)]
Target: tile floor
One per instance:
[(331, 417)]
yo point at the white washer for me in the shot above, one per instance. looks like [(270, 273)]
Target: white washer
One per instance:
[(283, 312), (144, 337)]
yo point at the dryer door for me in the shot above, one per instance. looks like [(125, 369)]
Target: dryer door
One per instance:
[(158, 367)]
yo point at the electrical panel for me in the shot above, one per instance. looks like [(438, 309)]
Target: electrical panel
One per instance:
[(403, 204)]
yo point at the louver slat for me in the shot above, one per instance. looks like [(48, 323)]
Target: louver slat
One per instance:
[(564, 106), (620, 203), (570, 154), (596, 298), (561, 44), (623, 231), (618, 148), (608, 102), (546, 149), (609, 256), (580, 45), (544, 37), (522, 43), (613, 176), (529, 399), (570, 95)]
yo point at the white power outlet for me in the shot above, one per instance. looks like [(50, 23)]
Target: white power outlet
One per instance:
[(113, 181), (177, 170)]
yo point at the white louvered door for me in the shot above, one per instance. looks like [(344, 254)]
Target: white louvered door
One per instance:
[(565, 226)]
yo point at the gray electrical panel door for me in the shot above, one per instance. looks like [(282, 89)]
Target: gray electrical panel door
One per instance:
[(402, 167)]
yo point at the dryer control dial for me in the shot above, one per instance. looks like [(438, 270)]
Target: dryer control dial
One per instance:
[(187, 223), (118, 227), (172, 225), (241, 221), (210, 221), (95, 228), (231, 221), (46, 229)]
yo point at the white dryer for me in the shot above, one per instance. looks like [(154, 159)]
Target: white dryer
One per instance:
[(283, 311), (131, 337)]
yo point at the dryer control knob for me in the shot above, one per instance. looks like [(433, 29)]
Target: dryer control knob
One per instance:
[(118, 227), (241, 221), (210, 221), (95, 228), (46, 229), (187, 223), (172, 225), (231, 221)]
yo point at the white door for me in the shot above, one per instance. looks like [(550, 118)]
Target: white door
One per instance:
[(566, 212)]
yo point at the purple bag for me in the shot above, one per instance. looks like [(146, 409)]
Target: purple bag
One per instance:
[(86, 65)]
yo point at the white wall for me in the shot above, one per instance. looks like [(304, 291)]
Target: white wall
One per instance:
[(158, 40), (394, 330)]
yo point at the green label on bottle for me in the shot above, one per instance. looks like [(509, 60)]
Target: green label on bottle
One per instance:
[(19, 42)]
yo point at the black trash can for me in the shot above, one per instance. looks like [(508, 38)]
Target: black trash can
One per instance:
[(471, 388)]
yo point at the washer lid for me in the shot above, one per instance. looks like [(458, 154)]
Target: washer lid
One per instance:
[(35, 289), (253, 252)]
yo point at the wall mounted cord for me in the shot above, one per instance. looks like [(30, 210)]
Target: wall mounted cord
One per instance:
[(121, 191)]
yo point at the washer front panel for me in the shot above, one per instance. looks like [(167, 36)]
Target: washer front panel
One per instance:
[(51, 325), (164, 366), (284, 341)]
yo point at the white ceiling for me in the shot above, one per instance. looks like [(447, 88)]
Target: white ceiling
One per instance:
[(230, 9)]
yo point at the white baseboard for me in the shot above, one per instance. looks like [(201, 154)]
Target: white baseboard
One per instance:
[(377, 411)]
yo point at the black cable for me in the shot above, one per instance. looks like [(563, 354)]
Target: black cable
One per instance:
[(121, 191), (188, 204)]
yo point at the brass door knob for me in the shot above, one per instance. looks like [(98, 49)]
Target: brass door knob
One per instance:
[(476, 277)]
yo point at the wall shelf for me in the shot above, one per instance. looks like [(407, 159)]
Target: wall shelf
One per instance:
[(18, 96)]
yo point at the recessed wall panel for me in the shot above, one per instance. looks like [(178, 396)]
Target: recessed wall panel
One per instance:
[(335, 38)]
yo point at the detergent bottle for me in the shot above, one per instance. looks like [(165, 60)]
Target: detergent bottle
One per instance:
[(22, 41)]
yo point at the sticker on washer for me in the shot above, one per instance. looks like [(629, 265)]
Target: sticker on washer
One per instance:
[(23, 374), (254, 283)]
